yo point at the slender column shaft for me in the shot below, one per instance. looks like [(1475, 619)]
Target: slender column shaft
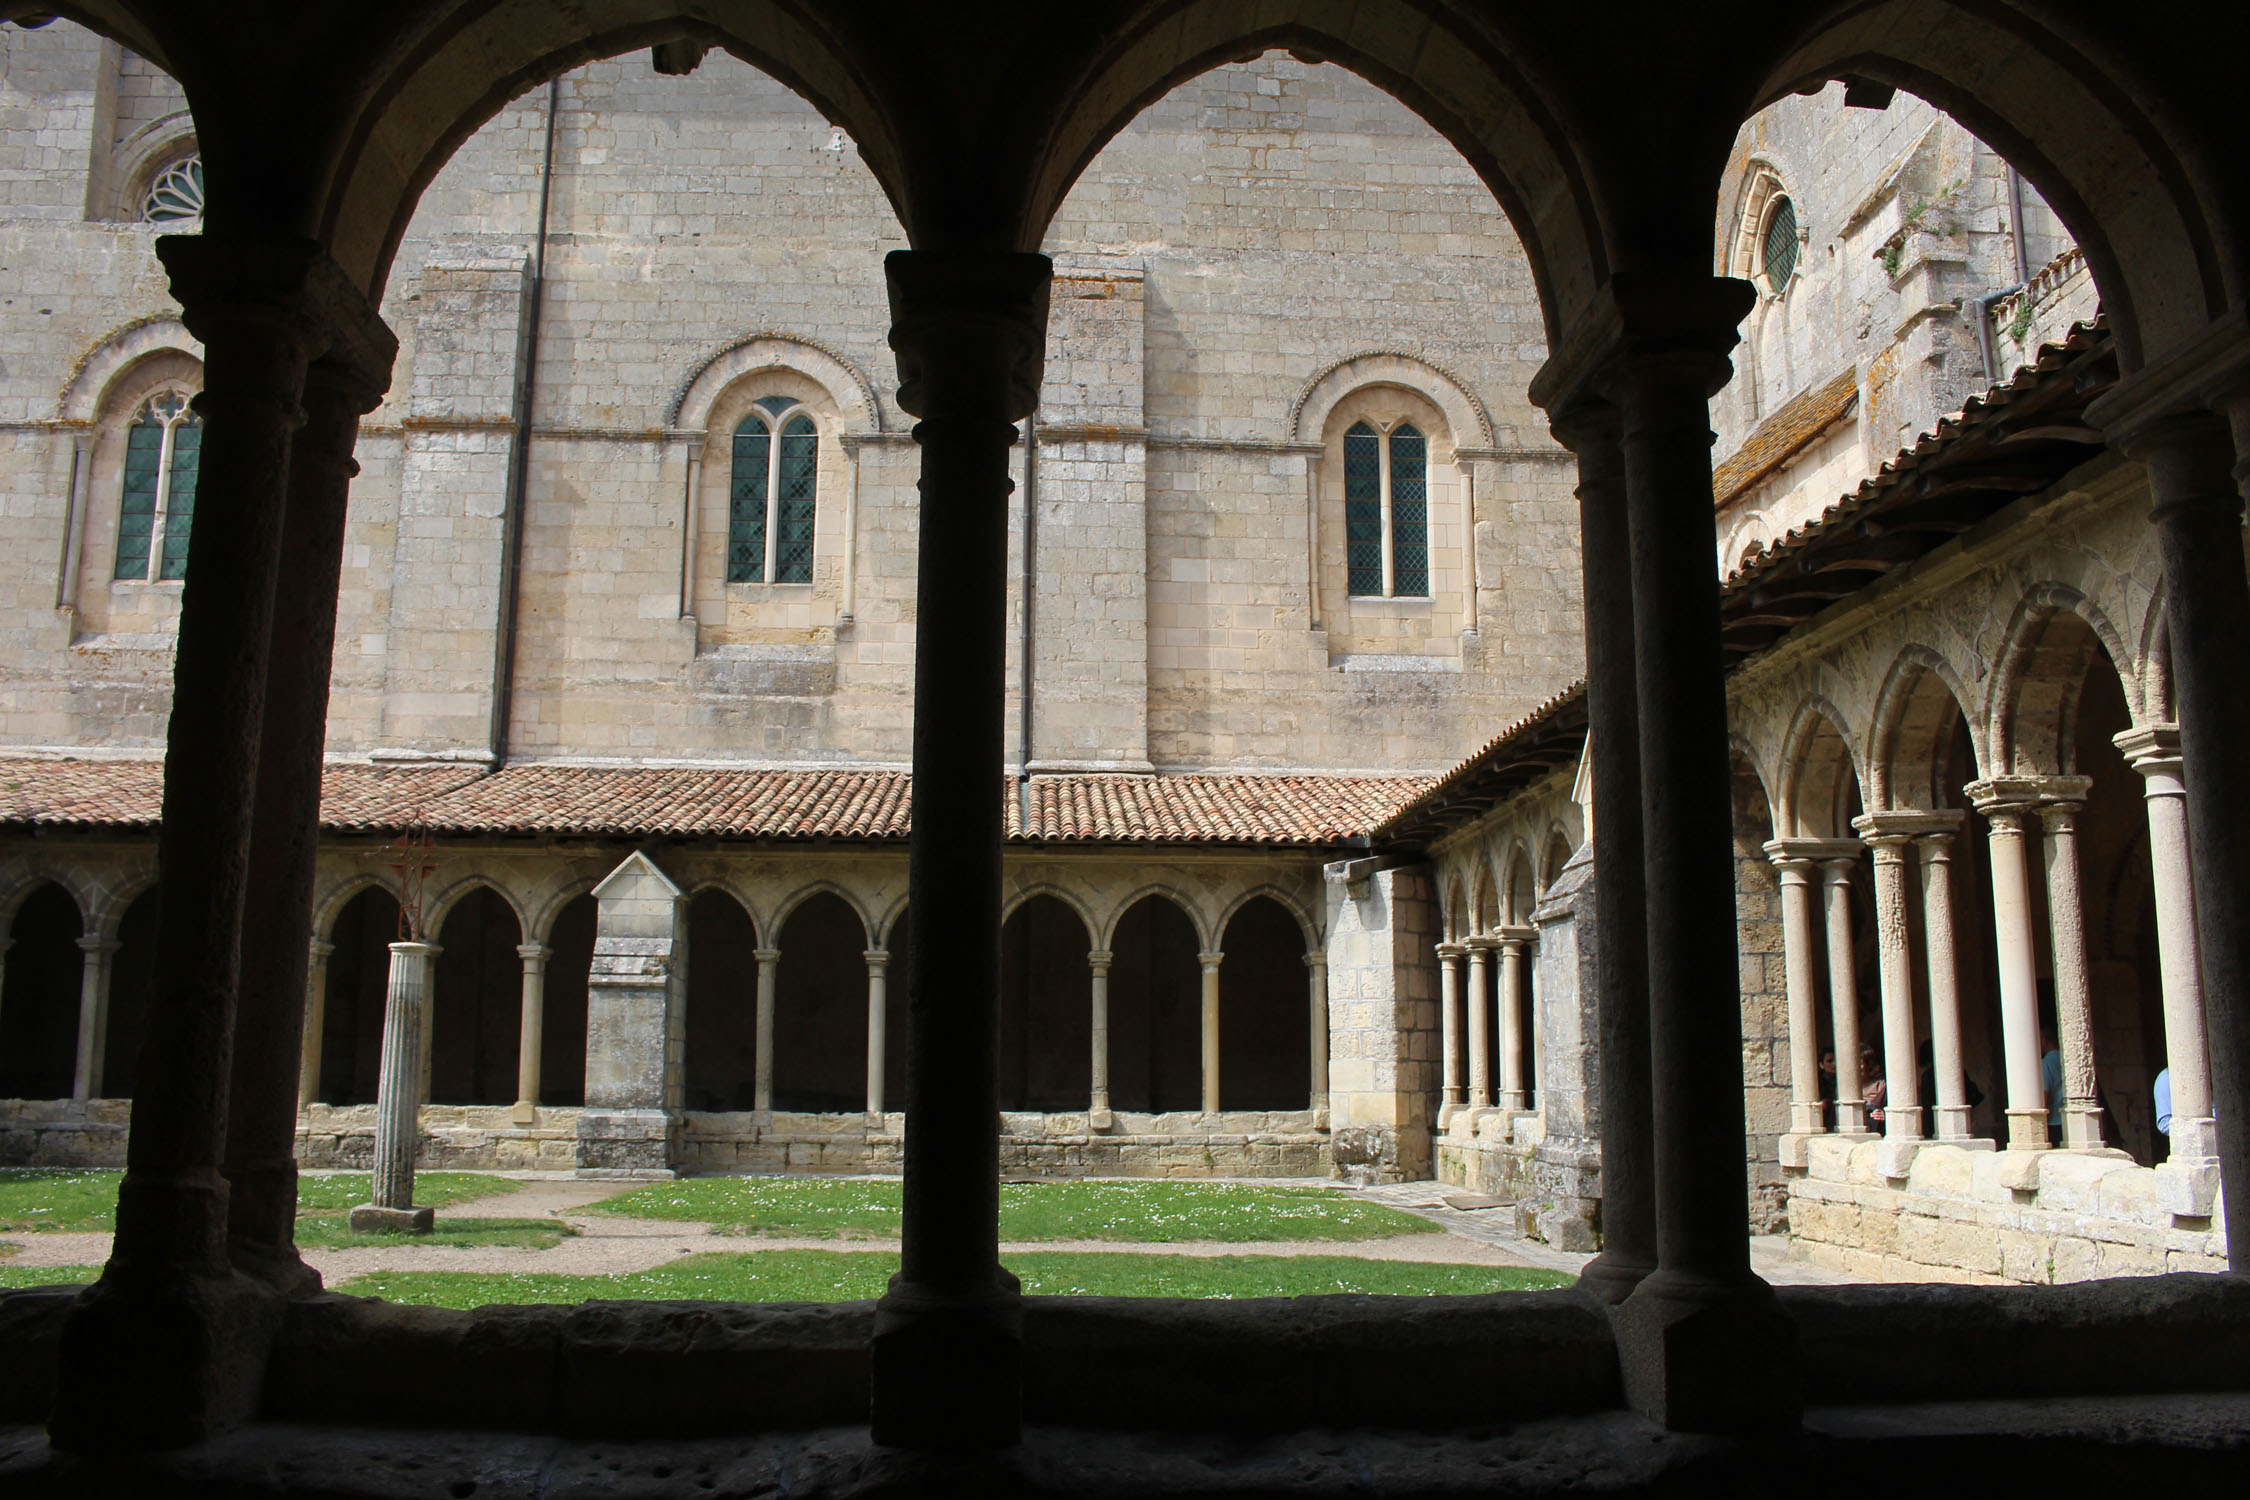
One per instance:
[(1210, 962), (1695, 999), (93, 1016), (1805, 1115), (2019, 996), (878, 1009), (2185, 1049), (397, 1090), (769, 968), (1535, 1054), (316, 1021), (2074, 1007), (2198, 516), (1449, 1024), (1511, 1021), (531, 1031), (1316, 1007), (1945, 987), (1097, 964), (1625, 1106), (1479, 1002), (969, 331), (1843, 995), (1902, 1085), (6, 943)]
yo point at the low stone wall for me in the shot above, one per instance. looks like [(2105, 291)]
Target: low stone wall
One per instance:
[(1991, 1216), (455, 1138), (63, 1132), (1554, 1181), (1237, 1143)]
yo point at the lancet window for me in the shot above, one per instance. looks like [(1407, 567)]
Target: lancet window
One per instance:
[(1387, 510), (771, 501), (157, 506)]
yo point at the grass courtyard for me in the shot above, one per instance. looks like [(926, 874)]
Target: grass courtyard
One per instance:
[(860, 1216)]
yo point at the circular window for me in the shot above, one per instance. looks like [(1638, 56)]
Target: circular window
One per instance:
[(1778, 250), (176, 194)]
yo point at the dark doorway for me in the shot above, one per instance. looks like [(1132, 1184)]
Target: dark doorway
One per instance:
[(722, 1004), (39, 1001), (477, 1017), (820, 1009), (1265, 1038), (359, 978), (132, 989), (562, 1035), (1155, 1010), (1046, 1009)]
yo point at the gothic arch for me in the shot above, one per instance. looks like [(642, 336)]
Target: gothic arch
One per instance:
[(1287, 903), (85, 392), (2050, 644), (1017, 899), (800, 896), (550, 906), (1820, 762), (849, 390), (1189, 907), (435, 911), (733, 891), (1914, 715), (1466, 420), (338, 896), (108, 911)]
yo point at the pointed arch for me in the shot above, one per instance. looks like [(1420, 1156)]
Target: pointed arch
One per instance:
[(1306, 926), (435, 911), (1922, 702), (2051, 642), (1821, 773), (800, 895), (1189, 908), (1071, 899)]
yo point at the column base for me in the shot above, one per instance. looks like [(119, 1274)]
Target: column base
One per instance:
[(2027, 1130), (1894, 1157), (370, 1218), (1953, 1124), (630, 1143), (526, 1112), (2082, 1127), (946, 1372), (1611, 1279), (1708, 1356), (162, 1360)]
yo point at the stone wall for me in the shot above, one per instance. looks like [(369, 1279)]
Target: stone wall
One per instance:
[(1382, 1020), (1991, 1216)]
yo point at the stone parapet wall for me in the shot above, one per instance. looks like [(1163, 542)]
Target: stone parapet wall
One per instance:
[(455, 1138), (63, 1132), (1553, 1181), (1237, 1143), (1961, 1216)]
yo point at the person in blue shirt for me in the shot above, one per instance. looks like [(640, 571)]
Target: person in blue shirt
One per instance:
[(2164, 1103), (2051, 1080)]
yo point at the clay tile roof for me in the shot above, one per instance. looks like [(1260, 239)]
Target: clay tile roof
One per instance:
[(1550, 736), (1780, 437), (635, 802)]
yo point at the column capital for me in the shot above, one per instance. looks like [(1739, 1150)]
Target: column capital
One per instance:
[(877, 957), (1812, 851), (1316, 959), (2152, 749), (534, 953), (2025, 794), (1908, 823), (1451, 950), (1209, 961), (970, 331), (96, 944), (1101, 957), (1480, 942), (416, 950), (765, 955), (1681, 322), (295, 288), (321, 948), (1517, 934)]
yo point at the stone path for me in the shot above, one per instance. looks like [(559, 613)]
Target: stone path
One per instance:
[(607, 1245)]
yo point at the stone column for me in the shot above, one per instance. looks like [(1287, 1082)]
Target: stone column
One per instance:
[(2066, 929), (1702, 1344), (1843, 995), (769, 967), (2008, 807), (1210, 962), (1945, 986), (171, 1347), (1449, 1031), (878, 1014), (1806, 1117), (398, 1128), (1512, 941), (93, 1015), (2188, 1181), (2198, 522), (316, 1021), (1590, 427), (1894, 959), (1479, 1002), (261, 1167), (1099, 1117), (531, 1031), (1316, 1019), (969, 331)]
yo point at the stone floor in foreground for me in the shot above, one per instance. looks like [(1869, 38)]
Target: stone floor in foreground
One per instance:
[(608, 1245)]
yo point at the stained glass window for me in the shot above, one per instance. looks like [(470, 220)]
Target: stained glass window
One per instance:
[(176, 194), (1363, 509), (771, 500), (156, 507), (1780, 244), (1410, 513)]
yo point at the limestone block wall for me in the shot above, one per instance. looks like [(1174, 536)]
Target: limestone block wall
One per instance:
[(1975, 1216), (1382, 1021)]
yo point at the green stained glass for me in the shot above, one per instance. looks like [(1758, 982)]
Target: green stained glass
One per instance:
[(1781, 244), (1410, 513), (1363, 509), (773, 405), (179, 496), (144, 452), (793, 546), (746, 504)]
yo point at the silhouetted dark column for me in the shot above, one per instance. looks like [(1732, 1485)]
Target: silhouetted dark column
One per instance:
[(1591, 431), (261, 1163), (2198, 516), (1702, 1342), (170, 1344), (969, 330)]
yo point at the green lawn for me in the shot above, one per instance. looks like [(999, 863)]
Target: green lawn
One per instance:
[(34, 1198), (12, 1277), (1143, 1212), (842, 1276), (329, 1231)]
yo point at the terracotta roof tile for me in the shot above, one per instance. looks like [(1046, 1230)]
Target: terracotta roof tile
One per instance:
[(1780, 437), (633, 802)]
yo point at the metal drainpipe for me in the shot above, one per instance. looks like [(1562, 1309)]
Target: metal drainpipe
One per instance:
[(519, 454), (1030, 601), (2015, 225)]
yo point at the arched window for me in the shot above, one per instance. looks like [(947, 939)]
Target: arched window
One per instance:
[(1777, 250), (770, 502), (157, 504), (1768, 239), (175, 195), (1387, 511)]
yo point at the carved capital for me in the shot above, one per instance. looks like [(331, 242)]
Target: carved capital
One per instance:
[(291, 293), (969, 330)]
